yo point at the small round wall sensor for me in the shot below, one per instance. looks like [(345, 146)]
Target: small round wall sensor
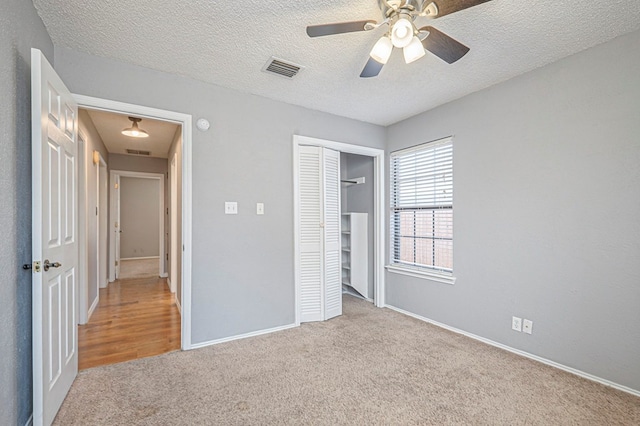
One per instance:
[(203, 124)]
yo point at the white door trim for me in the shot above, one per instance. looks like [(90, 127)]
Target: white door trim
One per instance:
[(379, 199), (160, 177), (173, 224), (101, 210), (83, 267), (185, 120)]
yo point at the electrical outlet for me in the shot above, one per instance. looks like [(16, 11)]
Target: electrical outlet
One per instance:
[(527, 326), (516, 323), (230, 207)]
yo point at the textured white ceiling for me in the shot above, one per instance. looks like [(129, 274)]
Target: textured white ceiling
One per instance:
[(227, 43), (109, 126)]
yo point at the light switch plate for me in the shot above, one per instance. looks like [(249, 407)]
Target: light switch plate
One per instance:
[(527, 326), (260, 208), (230, 207)]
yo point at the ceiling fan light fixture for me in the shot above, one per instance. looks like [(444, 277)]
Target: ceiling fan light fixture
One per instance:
[(402, 33), (134, 131), (382, 50), (413, 51)]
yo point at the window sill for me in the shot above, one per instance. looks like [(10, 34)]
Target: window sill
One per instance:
[(425, 275)]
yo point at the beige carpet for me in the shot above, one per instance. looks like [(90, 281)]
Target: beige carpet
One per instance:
[(370, 366), (138, 268)]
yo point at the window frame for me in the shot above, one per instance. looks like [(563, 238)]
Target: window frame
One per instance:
[(433, 273)]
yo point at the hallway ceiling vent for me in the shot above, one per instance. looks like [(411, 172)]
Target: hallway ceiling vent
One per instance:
[(282, 68), (138, 152)]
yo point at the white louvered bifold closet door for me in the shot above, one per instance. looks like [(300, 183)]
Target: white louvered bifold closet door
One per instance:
[(332, 237), (310, 233), (319, 266)]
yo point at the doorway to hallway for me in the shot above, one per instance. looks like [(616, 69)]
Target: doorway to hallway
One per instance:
[(135, 318)]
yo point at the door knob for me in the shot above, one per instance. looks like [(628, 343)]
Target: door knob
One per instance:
[(48, 265)]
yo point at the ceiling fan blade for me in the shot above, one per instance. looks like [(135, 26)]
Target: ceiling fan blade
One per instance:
[(371, 69), (337, 28), (446, 7), (443, 46)]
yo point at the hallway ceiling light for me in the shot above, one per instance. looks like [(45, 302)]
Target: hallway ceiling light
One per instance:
[(134, 131)]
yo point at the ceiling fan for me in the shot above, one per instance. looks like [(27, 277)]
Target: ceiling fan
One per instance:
[(402, 33)]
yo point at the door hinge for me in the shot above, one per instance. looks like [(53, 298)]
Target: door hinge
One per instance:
[(35, 266), (167, 256), (116, 263)]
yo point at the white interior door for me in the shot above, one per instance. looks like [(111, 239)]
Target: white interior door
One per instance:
[(332, 236), (318, 223), (310, 260), (54, 227)]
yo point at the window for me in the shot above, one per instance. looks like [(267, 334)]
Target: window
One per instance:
[(422, 208)]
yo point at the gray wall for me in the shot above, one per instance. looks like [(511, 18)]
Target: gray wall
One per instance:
[(20, 30), (133, 163), (242, 274), (139, 217), (176, 149), (546, 205), (93, 142), (360, 199)]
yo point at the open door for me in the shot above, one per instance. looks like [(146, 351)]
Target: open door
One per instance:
[(55, 243)]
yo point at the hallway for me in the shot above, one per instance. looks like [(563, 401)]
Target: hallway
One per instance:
[(135, 318)]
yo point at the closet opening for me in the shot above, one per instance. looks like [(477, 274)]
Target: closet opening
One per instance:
[(357, 220), (338, 226)]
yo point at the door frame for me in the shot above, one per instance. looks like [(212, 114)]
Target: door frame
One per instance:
[(173, 224), (114, 206), (83, 263), (185, 120), (102, 212), (379, 210)]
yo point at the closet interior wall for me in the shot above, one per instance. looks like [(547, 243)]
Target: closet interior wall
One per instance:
[(360, 199)]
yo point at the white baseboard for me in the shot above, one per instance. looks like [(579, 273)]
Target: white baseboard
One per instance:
[(93, 307), (29, 421), (241, 336), (164, 275), (521, 353), (140, 258), (178, 306)]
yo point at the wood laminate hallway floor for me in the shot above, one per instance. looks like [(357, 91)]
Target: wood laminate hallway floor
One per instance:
[(135, 318)]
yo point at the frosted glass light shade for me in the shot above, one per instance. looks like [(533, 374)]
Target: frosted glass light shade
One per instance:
[(402, 33), (413, 51), (382, 50)]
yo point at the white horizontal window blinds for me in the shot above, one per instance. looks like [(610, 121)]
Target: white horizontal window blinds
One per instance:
[(422, 206)]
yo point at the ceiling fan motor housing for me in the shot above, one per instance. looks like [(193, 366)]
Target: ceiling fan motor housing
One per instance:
[(413, 7)]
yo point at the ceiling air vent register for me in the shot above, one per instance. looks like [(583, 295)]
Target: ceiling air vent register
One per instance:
[(282, 68), (138, 152)]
